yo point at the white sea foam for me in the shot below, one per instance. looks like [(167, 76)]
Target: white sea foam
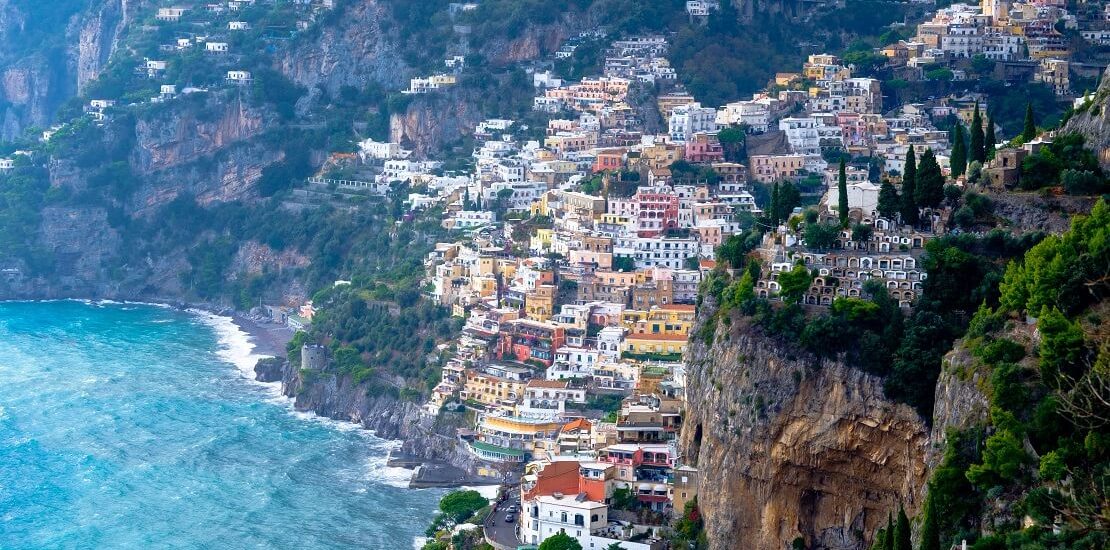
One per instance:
[(379, 470), (235, 344)]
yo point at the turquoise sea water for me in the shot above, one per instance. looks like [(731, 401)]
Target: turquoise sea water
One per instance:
[(130, 426)]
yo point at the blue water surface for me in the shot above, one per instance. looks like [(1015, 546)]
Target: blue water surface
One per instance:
[(129, 426)]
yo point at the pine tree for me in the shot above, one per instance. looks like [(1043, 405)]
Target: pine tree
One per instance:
[(889, 203), (958, 160), (902, 531), (930, 531), (976, 151), (888, 540), (991, 140), (775, 204), (909, 180), (929, 185), (1029, 133), (842, 195)]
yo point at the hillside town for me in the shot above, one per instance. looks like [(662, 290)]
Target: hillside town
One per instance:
[(579, 255), (534, 287)]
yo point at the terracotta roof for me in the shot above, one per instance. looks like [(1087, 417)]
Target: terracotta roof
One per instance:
[(555, 477), (577, 424)]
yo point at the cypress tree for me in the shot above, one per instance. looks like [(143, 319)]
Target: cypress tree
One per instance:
[(930, 531), (889, 203), (775, 204), (976, 151), (1029, 133), (909, 179), (929, 185), (880, 540), (902, 531), (888, 540), (842, 195), (958, 160), (991, 140)]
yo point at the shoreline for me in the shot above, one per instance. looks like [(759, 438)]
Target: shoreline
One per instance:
[(268, 338)]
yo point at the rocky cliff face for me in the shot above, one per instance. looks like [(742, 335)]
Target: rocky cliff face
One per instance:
[(337, 396), (352, 49), (787, 445), (38, 79), (434, 119), (1094, 122), (207, 149)]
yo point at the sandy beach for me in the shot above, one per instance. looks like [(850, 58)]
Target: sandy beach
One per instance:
[(268, 338)]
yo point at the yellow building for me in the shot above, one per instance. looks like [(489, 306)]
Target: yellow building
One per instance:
[(539, 305), (672, 319), (666, 344), (492, 389), (507, 438)]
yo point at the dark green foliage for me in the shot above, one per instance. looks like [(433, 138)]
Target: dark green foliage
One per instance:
[(735, 249), (365, 330), (1029, 131), (274, 88), (789, 199), (560, 541), (930, 531), (460, 505), (889, 203), (1064, 162), (889, 539), (821, 236), (733, 141), (958, 161), (990, 140), (794, 283), (929, 184), (976, 151), (908, 208), (1059, 272), (688, 528), (902, 531)]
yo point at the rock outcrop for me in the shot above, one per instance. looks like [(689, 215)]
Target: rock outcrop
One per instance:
[(350, 49), (1094, 122), (788, 445), (335, 395)]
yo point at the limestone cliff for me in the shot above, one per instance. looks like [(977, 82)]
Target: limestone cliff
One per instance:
[(1093, 121), (42, 65), (350, 49), (431, 120), (788, 445)]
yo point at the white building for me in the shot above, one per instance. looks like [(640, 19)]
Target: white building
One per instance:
[(548, 516), (863, 195), (216, 47), (238, 26), (755, 115), (170, 14), (692, 118), (466, 219), (239, 76), (669, 252)]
